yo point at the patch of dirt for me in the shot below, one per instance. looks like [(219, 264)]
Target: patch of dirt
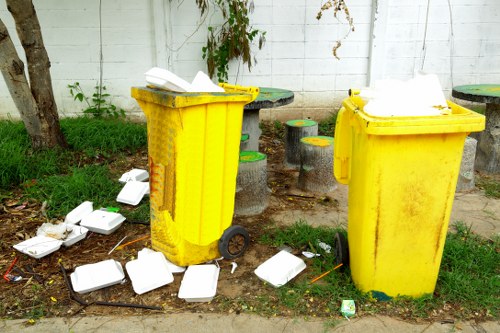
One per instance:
[(44, 292)]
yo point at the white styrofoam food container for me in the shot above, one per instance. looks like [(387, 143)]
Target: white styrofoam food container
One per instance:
[(202, 83), (39, 246), (133, 192), (76, 215), (77, 234), (149, 272), (102, 222), (280, 268), (92, 277), (199, 283), (173, 268), (163, 78), (134, 175)]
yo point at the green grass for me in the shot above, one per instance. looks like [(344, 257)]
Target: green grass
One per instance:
[(327, 126), (490, 186), (468, 281), (65, 192)]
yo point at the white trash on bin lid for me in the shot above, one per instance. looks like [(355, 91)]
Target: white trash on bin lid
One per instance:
[(149, 272), (199, 283), (39, 246), (134, 175), (102, 222), (76, 234), (92, 277), (202, 83), (76, 215), (280, 268), (133, 192), (162, 78), (173, 268)]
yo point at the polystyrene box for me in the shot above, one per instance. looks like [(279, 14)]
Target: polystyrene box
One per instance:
[(199, 283), (77, 234), (102, 222), (134, 175), (163, 78), (76, 215), (39, 246), (280, 268), (133, 192), (92, 277), (149, 272)]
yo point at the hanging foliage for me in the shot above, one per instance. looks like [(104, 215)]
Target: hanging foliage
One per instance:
[(338, 6), (232, 39)]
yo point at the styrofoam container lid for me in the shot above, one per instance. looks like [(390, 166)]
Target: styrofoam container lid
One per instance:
[(199, 283), (39, 246), (102, 222), (173, 268), (149, 272), (163, 78), (280, 268), (76, 215), (92, 277), (77, 234), (134, 175), (133, 192)]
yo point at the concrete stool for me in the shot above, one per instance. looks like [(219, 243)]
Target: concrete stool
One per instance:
[(466, 175), (252, 193), (316, 164), (294, 131)]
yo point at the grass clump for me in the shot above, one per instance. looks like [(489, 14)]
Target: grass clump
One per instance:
[(490, 185), (327, 126)]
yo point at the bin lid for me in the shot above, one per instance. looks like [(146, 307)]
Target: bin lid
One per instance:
[(458, 120), (173, 100)]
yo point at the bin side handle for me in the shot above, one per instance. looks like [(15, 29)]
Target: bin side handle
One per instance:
[(233, 88), (342, 148)]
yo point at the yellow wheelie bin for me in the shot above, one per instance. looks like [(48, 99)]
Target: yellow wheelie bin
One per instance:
[(402, 173), (193, 147)]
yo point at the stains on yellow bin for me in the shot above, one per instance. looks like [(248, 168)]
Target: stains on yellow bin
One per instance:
[(193, 143), (402, 174)]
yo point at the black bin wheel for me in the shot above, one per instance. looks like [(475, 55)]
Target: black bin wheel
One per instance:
[(234, 242), (341, 251)]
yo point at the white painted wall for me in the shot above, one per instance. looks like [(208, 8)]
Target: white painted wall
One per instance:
[(297, 54)]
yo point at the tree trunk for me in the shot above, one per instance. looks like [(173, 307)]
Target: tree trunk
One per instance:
[(30, 35)]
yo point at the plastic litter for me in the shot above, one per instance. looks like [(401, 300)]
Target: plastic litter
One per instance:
[(348, 308), (233, 267), (79, 212), (133, 192), (92, 277), (39, 246), (280, 268), (173, 268), (420, 96), (57, 231), (199, 283), (134, 175), (77, 233), (310, 255), (327, 248), (165, 79), (102, 222), (149, 272), (202, 83)]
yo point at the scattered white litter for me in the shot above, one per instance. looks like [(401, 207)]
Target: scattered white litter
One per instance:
[(57, 231), (92, 277), (133, 192), (173, 268), (102, 222), (327, 248), (280, 268), (134, 175), (202, 83), (310, 255), (163, 78), (39, 246), (199, 283), (233, 267), (79, 212), (149, 272), (77, 233), (420, 96)]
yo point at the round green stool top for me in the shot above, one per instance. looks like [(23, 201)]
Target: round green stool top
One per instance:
[(319, 140), (481, 93), (301, 123), (251, 156)]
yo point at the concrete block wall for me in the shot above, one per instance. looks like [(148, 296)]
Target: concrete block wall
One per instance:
[(463, 48)]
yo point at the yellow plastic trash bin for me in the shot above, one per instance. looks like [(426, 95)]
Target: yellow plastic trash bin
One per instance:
[(193, 146), (402, 173)]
